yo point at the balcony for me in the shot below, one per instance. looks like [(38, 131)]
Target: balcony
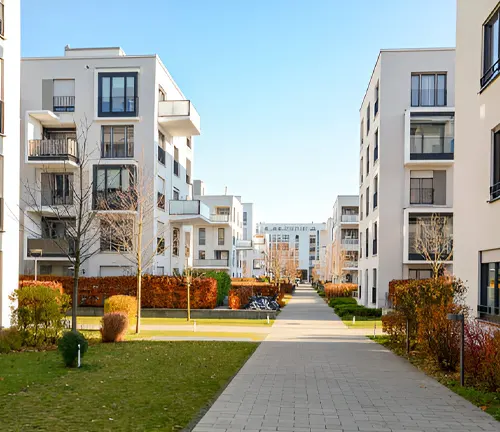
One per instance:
[(244, 244), (54, 198), (64, 103), (53, 150), (349, 218), (212, 263), (422, 196), (350, 264), (350, 244), (495, 191), (424, 148), (52, 248), (194, 211), (179, 117)]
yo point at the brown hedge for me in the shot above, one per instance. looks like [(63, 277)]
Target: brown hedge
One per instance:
[(46, 283), (339, 290), (157, 291), (240, 293)]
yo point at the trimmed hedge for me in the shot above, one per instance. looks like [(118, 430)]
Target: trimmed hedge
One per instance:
[(335, 301), (340, 290), (223, 284), (157, 291), (344, 310), (121, 303)]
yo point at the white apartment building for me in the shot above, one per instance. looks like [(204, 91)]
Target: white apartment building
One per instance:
[(10, 52), (477, 155), (406, 164), (303, 238), (342, 252), (138, 119)]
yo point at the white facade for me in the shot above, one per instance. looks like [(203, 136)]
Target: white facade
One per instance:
[(406, 163), (304, 238), (10, 51), (342, 252), (477, 156), (139, 119)]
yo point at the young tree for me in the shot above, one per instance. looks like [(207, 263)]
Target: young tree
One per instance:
[(129, 230), (277, 260), (70, 208), (434, 241), (339, 261)]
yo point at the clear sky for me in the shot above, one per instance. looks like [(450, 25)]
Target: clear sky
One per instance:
[(278, 83)]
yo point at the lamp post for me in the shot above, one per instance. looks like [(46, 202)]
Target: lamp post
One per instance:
[(189, 276), (460, 318), (36, 253)]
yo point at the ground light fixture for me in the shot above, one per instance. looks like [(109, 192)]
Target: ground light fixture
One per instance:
[(460, 318)]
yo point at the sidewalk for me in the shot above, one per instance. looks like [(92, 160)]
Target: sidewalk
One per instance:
[(313, 374)]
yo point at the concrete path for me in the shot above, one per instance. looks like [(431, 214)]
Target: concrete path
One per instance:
[(312, 374)]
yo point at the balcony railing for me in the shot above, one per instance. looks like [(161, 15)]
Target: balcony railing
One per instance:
[(176, 168), (431, 148), (115, 200), (350, 241), (489, 313), (349, 218), (53, 198), (52, 248), (415, 255), (119, 106), (495, 191), (243, 243), (211, 263), (53, 149), (161, 155), (421, 196), (219, 218), (490, 73), (179, 117), (350, 264), (64, 103)]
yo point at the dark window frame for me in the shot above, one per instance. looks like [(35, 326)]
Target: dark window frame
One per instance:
[(420, 189), (132, 172), (375, 147), (495, 168), (490, 69), (111, 76), (129, 142), (486, 311), (418, 91), (202, 241)]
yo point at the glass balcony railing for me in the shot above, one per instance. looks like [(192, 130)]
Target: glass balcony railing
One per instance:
[(431, 147)]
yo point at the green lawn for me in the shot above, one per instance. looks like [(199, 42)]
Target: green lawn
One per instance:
[(364, 323), (126, 386), (86, 320)]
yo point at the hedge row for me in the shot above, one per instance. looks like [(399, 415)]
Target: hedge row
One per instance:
[(339, 290), (157, 291), (240, 293)]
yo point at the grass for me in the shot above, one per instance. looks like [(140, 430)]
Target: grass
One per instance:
[(364, 322), (487, 401), (186, 333), (95, 320), (126, 386)]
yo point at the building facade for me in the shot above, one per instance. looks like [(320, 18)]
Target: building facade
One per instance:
[(10, 52), (341, 258), (477, 155), (303, 239), (406, 167), (123, 115)]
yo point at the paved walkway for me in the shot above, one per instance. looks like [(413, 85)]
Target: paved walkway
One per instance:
[(312, 374)]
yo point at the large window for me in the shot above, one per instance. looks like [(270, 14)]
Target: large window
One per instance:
[(175, 241), (367, 119), (428, 89), (491, 48), (160, 198), (116, 236), (375, 106), (367, 159), (64, 95), (367, 197), (57, 189), (420, 274), (374, 286), (366, 243), (118, 94), (113, 187), (202, 237), (495, 178), (375, 239), (421, 190), (375, 147), (117, 142), (490, 290), (160, 238), (176, 161), (375, 192)]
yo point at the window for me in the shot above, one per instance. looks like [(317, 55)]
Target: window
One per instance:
[(113, 187), (375, 192), (421, 190), (202, 236), (57, 189), (375, 106), (495, 180), (160, 238), (160, 202), (116, 236), (176, 194), (491, 49), (188, 171), (367, 159), (175, 242), (361, 207), (221, 255), (162, 95), (490, 290), (117, 141), (375, 148), (161, 148), (220, 236), (366, 243), (117, 94), (361, 132), (375, 238), (54, 228), (201, 254), (374, 286), (45, 269), (188, 142), (176, 161), (367, 119), (361, 167), (367, 197), (361, 244), (419, 274), (2, 108), (245, 218), (64, 95), (428, 89), (223, 210), (2, 30)]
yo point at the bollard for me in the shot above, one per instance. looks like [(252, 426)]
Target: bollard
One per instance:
[(194, 326), (354, 319), (268, 318), (374, 328), (79, 356)]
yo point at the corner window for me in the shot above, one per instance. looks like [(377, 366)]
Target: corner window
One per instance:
[(113, 187), (117, 94), (491, 49), (428, 89), (117, 142), (495, 178)]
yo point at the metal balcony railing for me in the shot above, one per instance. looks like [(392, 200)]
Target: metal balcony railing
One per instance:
[(120, 106), (211, 263), (495, 191), (490, 73), (431, 147), (64, 103), (51, 197), (421, 196), (53, 149)]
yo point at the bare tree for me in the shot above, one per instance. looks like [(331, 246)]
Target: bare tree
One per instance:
[(65, 194), (340, 258), (434, 241), (291, 265), (130, 230)]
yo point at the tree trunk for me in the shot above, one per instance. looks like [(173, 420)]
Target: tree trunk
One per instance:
[(139, 284), (139, 269), (74, 304)]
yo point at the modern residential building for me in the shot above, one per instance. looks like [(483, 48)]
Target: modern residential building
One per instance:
[(132, 117), (341, 258), (406, 166), (10, 52), (248, 256), (477, 155), (304, 239)]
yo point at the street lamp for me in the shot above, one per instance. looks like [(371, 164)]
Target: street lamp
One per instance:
[(460, 318), (36, 253)]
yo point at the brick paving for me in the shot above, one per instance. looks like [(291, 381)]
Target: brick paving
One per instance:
[(313, 374)]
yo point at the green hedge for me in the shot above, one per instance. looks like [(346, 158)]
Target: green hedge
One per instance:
[(335, 301), (223, 284), (355, 310)]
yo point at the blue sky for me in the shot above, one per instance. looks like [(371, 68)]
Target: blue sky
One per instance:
[(278, 83)]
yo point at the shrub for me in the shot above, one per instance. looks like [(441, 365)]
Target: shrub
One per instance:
[(121, 303), (339, 290), (335, 301), (321, 293), (114, 326), (394, 324), (68, 347), (223, 284), (46, 283), (355, 310), (40, 314), (10, 340)]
